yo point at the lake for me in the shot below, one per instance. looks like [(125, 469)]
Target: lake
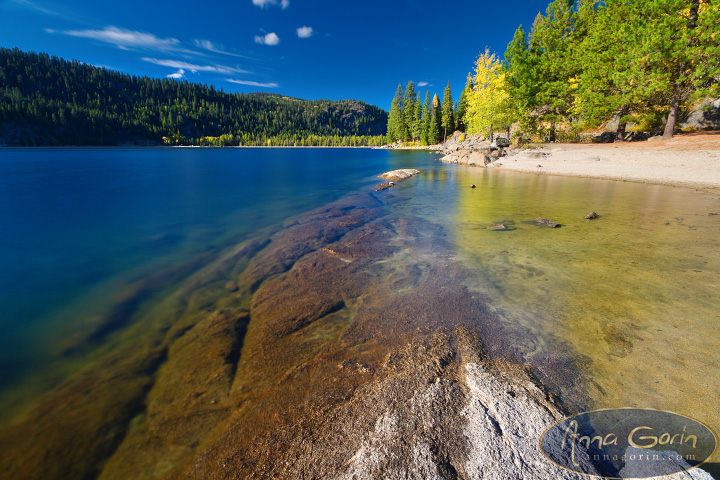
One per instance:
[(109, 255)]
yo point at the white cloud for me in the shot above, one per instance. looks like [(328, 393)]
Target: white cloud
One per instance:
[(123, 38), (268, 39), (263, 3), (177, 75), (304, 32), (254, 84), (423, 84), (194, 68)]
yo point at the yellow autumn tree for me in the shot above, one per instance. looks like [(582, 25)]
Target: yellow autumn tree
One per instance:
[(488, 103)]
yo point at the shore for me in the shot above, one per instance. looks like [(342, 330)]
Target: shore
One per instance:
[(688, 160)]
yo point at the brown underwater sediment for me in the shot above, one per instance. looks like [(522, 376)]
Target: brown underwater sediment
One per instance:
[(246, 383)]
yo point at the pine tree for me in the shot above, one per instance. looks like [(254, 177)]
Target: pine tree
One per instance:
[(680, 51), (395, 128), (448, 119), (425, 132), (409, 110), (418, 120), (462, 104), (551, 45), (522, 82)]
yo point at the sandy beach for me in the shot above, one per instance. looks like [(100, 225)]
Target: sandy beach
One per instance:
[(688, 160)]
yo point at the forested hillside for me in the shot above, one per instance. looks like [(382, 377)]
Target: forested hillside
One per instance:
[(50, 101)]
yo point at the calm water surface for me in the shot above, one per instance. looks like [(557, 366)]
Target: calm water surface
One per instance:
[(79, 226), (633, 296)]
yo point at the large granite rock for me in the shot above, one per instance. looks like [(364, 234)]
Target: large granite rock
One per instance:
[(706, 116)]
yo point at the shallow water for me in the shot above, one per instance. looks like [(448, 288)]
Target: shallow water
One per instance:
[(634, 295), (81, 230), (116, 254)]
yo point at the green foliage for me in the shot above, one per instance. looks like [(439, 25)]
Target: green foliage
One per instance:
[(425, 132), (462, 104), (448, 118), (49, 101), (409, 111), (395, 126), (550, 44), (588, 61), (418, 120)]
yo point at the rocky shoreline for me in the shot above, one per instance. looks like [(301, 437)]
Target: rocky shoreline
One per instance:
[(689, 160)]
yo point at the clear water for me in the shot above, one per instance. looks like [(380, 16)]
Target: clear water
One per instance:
[(634, 294), (78, 227), (632, 297)]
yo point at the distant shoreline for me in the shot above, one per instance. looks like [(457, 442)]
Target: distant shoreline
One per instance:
[(142, 147)]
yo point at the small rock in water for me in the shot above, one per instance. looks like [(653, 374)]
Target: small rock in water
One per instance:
[(500, 227), (472, 186), (539, 166), (592, 216)]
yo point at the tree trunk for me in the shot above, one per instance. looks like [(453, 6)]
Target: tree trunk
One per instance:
[(622, 125), (507, 131), (491, 133), (672, 116), (552, 132), (678, 91)]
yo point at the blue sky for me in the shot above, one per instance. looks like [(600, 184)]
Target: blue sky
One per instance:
[(302, 48)]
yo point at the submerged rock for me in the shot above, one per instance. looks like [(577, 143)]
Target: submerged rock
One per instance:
[(592, 216), (499, 227), (544, 222)]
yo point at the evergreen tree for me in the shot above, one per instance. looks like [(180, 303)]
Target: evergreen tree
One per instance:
[(608, 84), (425, 132), (679, 51), (409, 110), (462, 104), (395, 127), (448, 119), (522, 83), (551, 45), (418, 120)]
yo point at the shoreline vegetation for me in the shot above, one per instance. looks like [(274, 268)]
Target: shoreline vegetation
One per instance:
[(639, 66)]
